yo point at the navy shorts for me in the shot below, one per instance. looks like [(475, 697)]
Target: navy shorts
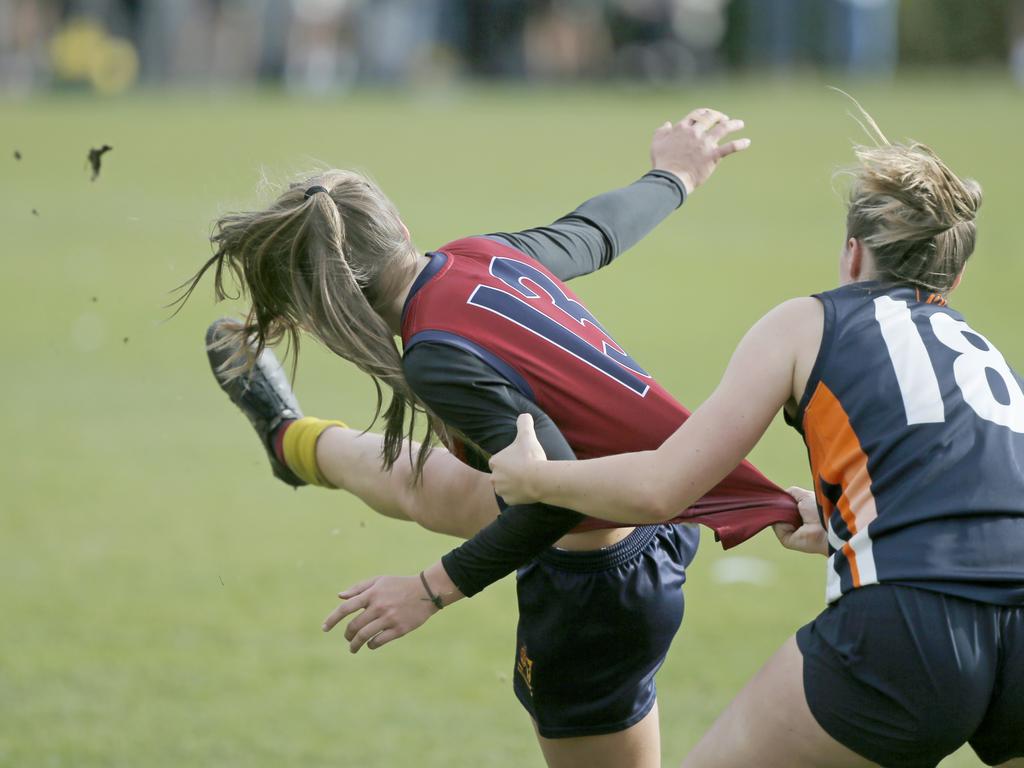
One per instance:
[(594, 628), (905, 676)]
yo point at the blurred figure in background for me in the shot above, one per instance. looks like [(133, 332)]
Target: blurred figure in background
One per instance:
[(1017, 42), (566, 39), (320, 49), (397, 39), (25, 27), (330, 46), (644, 41), (861, 36), (855, 36)]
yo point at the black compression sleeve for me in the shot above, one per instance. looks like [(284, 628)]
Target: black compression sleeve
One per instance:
[(602, 228), (471, 396)]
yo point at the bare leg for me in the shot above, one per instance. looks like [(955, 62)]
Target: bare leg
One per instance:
[(457, 500), (451, 498), (770, 725), (635, 747)]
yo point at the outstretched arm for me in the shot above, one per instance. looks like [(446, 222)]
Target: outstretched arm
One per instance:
[(472, 397), (652, 486), (683, 156), (475, 399)]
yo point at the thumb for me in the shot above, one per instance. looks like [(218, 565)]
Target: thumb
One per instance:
[(783, 531), (524, 428), (798, 493)]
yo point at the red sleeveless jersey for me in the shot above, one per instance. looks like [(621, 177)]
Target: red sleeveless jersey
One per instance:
[(495, 302)]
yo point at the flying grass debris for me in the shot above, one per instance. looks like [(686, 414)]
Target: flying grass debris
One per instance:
[(17, 155), (95, 159)]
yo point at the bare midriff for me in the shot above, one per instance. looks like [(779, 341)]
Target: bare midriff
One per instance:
[(599, 539)]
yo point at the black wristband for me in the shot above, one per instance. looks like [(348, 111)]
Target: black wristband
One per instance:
[(435, 599)]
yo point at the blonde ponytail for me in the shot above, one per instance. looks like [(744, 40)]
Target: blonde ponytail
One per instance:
[(326, 263), (912, 211)]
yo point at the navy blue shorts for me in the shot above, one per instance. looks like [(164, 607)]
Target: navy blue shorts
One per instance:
[(904, 676), (594, 628)]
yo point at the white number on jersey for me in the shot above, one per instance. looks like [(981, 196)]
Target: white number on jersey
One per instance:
[(919, 386)]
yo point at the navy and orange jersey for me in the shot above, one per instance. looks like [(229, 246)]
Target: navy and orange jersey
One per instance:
[(493, 301), (914, 426)]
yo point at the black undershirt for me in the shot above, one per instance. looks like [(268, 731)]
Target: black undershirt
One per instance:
[(472, 397)]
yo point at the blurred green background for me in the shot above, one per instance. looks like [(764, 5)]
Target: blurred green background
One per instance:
[(161, 593)]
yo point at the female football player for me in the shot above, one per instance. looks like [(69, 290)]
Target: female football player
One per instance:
[(489, 330), (914, 426)]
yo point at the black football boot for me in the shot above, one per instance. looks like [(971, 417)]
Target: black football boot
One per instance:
[(263, 394)]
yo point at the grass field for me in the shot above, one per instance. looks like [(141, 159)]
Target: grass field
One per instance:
[(161, 594)]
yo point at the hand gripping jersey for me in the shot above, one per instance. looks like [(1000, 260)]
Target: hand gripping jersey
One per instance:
[(495, 302), (914, 426)]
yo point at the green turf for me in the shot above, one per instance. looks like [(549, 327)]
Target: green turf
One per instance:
[(161, 594)]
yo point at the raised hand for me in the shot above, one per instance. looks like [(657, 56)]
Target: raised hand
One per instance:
[(510, 468), (690, 149)]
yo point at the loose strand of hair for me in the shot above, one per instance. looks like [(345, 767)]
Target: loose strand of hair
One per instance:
[(291, 261), (188, 287), (865, 120)]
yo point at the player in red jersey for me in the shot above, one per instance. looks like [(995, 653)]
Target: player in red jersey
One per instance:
[(914, 425), (489, 330)]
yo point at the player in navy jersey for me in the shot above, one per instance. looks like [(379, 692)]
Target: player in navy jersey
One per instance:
[(489, 330), (914, 426)]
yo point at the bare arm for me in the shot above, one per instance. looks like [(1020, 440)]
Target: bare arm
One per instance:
[(471, 396), (769, 367)]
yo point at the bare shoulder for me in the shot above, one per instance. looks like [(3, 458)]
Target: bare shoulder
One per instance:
[(788, 338), (798, 326), (800, 320), (800, 309)]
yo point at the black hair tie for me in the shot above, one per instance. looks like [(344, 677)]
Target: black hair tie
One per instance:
[(313, 190)]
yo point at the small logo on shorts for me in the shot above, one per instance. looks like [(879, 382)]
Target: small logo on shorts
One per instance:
[(524, 667)]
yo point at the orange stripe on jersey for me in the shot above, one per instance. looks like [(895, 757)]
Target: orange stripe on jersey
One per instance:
[(838, 458), (851, 558)]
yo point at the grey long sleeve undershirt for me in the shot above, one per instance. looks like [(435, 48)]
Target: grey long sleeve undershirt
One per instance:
[(602, 228), (477, 400)]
